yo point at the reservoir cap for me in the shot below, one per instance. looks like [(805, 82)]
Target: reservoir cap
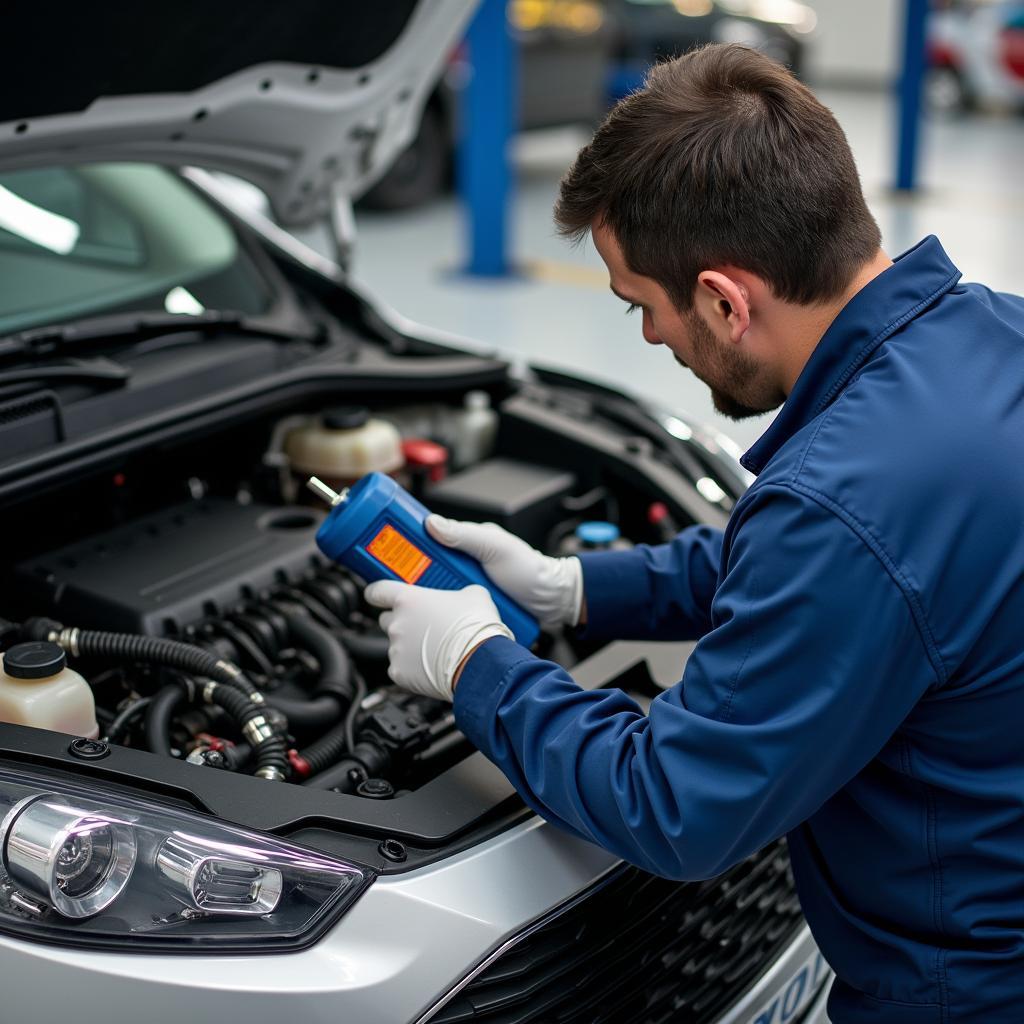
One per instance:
[(345, 417), (37, 660), (597, 533)]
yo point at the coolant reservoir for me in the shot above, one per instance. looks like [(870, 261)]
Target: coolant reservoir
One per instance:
[(38, 689), (344, 445)]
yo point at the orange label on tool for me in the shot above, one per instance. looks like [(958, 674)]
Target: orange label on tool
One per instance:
[(402, 557)]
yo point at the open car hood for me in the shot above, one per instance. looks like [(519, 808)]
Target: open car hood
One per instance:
[(305, 99)]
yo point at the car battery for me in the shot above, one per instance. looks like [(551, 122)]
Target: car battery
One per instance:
[(524, 498)]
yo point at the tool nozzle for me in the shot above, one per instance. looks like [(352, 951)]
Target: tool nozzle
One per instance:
[(321, 490)]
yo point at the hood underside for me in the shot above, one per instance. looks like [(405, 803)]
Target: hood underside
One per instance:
[(303, 99)]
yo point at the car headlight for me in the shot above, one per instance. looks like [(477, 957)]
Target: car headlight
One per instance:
[(83, 867)]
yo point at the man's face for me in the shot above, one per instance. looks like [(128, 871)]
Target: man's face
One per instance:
[(740, 385)]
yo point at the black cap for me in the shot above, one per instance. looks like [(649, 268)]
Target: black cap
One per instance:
[(36, 660), (346, 417)]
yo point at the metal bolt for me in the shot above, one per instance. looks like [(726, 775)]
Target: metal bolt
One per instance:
[(87, 749), (375, 789), (214, 759), (393, 850)]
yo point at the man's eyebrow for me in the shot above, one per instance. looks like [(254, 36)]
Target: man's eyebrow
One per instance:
[(625, 298)]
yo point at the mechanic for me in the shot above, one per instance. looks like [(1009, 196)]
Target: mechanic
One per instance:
[(858, 684)]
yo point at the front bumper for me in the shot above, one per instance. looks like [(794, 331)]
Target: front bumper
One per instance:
[(394, 957)]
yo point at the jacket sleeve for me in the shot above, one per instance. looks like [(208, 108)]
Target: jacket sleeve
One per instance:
[(661, 592), (814, 659)]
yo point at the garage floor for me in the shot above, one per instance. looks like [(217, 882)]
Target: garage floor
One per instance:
[(559, 311)]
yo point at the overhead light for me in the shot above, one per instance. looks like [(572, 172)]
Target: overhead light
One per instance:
[(34, 224)]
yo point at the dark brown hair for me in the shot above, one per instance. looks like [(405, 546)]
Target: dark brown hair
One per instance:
[(724, 158)]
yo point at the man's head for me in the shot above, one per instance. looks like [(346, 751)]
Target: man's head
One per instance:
[(725, 201)]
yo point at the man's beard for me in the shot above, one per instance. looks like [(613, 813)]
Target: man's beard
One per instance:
[(737, 390)]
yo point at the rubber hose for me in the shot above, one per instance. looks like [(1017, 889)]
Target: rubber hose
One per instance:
[(271, 752), (192, 660), (353, 712), (312, 606), (244, 644), (371, 646), (331, 596), (320, 712), (369, 760), (118, 725), (326, 750), (237, 755), (335, 664), (159, 715), (258, 629)]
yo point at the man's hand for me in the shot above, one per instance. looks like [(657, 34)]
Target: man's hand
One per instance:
[(431, 632), (550, 589)]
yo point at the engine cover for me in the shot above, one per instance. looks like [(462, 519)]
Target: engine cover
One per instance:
[(160, 573)]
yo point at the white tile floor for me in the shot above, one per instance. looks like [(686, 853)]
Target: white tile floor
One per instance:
[(973, 199)]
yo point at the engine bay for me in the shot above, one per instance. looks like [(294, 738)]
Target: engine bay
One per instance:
[(189, 592)]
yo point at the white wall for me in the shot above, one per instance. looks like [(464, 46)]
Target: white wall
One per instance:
[(856, 42)]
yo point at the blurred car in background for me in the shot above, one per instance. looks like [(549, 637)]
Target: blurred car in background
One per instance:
[(646, 31), (578, 57), (975, 55)]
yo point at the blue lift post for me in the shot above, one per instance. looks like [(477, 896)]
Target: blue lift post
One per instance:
[(487, 121), (910, 88)]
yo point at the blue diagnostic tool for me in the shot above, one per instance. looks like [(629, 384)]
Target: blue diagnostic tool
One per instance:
[(377, 529)]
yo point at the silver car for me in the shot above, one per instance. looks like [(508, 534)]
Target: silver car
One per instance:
[(213, 805)]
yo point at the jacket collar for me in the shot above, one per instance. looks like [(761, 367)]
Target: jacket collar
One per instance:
[(915, 280)]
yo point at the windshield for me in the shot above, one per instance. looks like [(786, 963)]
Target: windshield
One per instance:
[(83, 240)]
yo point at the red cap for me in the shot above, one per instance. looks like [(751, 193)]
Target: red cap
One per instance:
[(423, 454), (300, 766), (657, 512)]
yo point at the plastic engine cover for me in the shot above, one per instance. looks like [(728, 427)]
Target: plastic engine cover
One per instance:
[(162, 572)]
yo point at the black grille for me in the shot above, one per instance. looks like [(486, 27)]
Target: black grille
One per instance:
[(642, 949)]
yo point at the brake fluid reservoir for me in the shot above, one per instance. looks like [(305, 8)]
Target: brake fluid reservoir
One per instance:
[(38, 689), (344, 445)]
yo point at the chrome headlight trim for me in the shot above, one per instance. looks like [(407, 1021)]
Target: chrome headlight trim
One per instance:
[(97, 867), (39, 830)]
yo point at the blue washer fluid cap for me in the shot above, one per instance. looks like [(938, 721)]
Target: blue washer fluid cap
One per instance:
[(597, 533)]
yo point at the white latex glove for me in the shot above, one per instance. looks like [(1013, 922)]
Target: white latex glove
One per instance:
[(551, 589), (431, 631)]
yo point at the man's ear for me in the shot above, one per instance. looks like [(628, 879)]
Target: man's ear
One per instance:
[(730, 300)]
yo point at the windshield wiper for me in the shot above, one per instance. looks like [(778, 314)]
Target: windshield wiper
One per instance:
[(91, 371), (56, 339)]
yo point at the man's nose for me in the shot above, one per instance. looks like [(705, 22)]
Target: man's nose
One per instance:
[(649, 333)]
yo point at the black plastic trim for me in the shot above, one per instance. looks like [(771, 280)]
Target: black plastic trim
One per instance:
[(469, 792), (378, 372)]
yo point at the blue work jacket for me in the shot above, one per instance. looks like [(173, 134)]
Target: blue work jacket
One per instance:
[(859, 681)]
